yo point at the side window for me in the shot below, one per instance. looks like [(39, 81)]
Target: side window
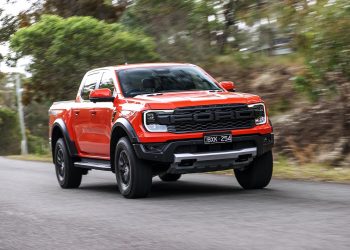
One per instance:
[(107, 81), (89, 85)]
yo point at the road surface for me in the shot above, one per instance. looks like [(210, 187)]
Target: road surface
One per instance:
[(201, 211)]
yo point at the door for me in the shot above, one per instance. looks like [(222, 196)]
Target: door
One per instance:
[(83, 113), (101, 120)]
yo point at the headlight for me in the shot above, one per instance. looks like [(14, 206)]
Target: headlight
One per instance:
[(151, 120), (260, 113)]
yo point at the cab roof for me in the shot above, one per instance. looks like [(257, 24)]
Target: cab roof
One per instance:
[(141, 65)]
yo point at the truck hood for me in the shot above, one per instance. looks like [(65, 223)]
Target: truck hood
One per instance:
[(194, 98)]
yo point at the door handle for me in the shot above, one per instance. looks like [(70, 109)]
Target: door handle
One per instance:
[(92, 112), (76, 113)]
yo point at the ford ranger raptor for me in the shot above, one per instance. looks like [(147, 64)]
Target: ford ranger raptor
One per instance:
[(159, 119)]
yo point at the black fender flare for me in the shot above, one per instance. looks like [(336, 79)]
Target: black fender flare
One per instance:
[(59, 124), (127, 127), (124, 125)]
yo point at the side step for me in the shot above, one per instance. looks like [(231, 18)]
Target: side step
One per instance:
[(93, 164)]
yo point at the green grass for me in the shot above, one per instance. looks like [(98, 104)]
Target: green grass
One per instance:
[(31, 157), (241, 60), (312, 171)]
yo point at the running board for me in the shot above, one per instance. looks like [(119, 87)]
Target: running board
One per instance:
[(93, 164)]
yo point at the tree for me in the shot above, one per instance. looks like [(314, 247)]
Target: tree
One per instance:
[(325, 42), (8, 25), (9, 140), (64, 49), (233, 12), (328, 38), (106, 10), (180, 27), (7, 91)]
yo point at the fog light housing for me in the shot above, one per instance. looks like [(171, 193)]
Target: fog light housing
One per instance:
[(154, 147), (268, 139)]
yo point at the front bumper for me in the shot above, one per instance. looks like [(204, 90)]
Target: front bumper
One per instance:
[(189, 156)]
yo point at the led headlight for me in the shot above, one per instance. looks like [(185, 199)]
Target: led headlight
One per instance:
[(260, 113), (151, 123)]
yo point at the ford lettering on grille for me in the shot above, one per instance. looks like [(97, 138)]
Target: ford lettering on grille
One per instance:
[(208, 118)]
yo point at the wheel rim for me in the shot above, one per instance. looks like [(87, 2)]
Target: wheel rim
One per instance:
[(124, 169), (60, 164)]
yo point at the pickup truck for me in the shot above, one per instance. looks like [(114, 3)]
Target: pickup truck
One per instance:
[(159, 119)]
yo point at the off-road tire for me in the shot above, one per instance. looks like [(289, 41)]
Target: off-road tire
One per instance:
[(67, 175), (258, 174), (134, 176)]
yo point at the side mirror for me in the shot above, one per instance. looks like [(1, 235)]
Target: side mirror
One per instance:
[(101, 95), (229, 86)]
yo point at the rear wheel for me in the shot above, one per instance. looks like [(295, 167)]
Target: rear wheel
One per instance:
[(169, 177), (258, 174), (68, 176), (134, 176)]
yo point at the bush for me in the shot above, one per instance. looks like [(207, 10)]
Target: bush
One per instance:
[(327, 44), (10, 139), (37, 145), (63, 49)]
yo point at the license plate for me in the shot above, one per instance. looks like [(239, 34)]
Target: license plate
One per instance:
[(213, 139)]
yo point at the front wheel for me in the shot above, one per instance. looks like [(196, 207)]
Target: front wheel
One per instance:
[(68, 176), (258, 174), (134, 176)]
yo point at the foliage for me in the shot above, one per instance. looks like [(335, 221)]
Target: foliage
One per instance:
[(324, 39), (64, 49), (107, 10), (10, 133), (180, 27), (8, 26), (305, 84), (329, 39), (37, 145), (99, 9), (36, 118)]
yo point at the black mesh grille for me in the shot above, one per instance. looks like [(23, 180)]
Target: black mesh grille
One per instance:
[(216, 124)]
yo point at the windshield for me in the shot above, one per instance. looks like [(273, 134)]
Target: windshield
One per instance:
[(140, 81)]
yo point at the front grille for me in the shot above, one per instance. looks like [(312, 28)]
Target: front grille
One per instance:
[(210, 118)]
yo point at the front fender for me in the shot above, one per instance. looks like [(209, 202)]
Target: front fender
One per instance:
[(127, 127), (59, 125)]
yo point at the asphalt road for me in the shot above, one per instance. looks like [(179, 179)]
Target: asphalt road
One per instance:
[(201, 211)]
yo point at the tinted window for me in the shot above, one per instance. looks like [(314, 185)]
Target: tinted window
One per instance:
[(164, 79), (107, 81), (89, 85)]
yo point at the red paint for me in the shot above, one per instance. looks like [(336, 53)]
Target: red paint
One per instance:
[(89, 124), (100, 93), (229, 86)]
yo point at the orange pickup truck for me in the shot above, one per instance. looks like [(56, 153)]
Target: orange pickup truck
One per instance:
[(165, 119)]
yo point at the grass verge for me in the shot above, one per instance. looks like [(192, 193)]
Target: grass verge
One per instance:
[(31, 157), (311, 172)]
